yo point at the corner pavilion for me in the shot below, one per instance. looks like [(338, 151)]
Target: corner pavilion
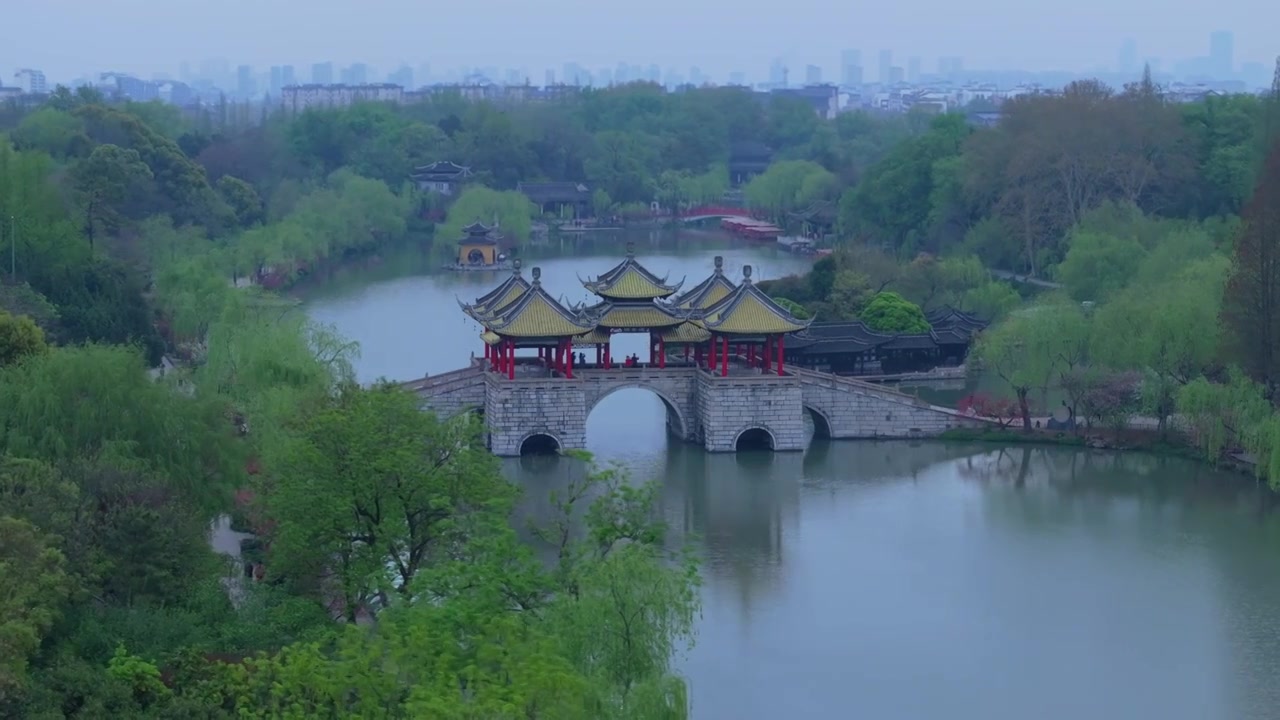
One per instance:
[(716, 319)]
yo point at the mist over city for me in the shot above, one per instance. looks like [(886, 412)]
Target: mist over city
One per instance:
[(248, 49)]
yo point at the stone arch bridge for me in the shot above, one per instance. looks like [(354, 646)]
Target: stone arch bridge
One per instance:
[(713, 411)]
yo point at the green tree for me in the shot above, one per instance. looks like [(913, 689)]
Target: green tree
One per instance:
[(890, 312), (35, 586), (109, 181), (376, 488), (1251, 307), (1097, 266), (242, 198), (512, 210), (19, 338)]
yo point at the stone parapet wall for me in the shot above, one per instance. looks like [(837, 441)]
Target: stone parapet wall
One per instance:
[(853, 409)]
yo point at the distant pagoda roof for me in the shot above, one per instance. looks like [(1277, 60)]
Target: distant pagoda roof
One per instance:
[(629, 280), (477, 233), (595, 337), (440, 170), (535, 314), (749, 311), (636, 315), (708, 292), (488, 304)]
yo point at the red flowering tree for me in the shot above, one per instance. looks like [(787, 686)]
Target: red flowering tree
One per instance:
[(1002, 410)]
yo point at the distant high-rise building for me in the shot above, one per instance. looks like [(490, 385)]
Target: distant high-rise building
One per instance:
[(1222, 54), (288, 76), (549, 78), (322, 73), (913, 70), (897, 75), (245, 85), (1127, 61), (778, 73), (849, 60), (403, 76), (31, 81), (355, 74), (276, 82), (812, 75), (886, 65), (950, 67)]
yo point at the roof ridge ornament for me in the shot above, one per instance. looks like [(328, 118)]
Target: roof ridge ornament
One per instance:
[(631, 248), (537, 275), (515, 266), (719, 261), (746, 274)]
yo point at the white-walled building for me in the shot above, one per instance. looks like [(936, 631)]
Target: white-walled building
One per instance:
[(31, 81), (297, 98)]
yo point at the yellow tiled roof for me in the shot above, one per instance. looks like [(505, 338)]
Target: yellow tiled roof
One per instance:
[(490, 338), (629, 280), (636, 315), (686, 333), (595, 337), (535, 314), (511, 295), (496, 299), (707, 293), (748, 311)]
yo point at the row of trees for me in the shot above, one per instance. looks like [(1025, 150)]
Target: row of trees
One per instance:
[(1180, 327)]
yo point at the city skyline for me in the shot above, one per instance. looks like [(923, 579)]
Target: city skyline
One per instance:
[(988, 34)]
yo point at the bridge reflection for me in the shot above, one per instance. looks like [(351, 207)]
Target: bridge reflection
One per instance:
[(739, 509)]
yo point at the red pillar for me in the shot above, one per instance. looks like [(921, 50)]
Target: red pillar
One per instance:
[(768, 348), (751, 354), (599, 354), (697, 356), (724, 359), (711, 364), (780, 339), (662, 353), (608, 356), (568, 362), (511, 359)]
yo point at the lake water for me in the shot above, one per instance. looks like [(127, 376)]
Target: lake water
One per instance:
[(896, 579)]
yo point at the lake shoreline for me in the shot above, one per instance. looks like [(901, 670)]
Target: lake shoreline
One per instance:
[(1139, 440)]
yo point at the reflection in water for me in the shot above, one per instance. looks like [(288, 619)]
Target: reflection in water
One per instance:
[(918, 579)]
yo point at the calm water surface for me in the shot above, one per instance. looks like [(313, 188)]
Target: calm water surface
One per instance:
[(902, 580)]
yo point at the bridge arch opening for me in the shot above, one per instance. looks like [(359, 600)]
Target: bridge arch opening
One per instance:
[(629, 413), (539, 444), (821, 425), (754, 439)]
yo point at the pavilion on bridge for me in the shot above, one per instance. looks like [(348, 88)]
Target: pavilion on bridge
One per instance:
[(748, 323), (718, 320), (531, 320), (632, 300)]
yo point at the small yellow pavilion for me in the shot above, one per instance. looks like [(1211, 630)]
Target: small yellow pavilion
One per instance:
[(478, 246)]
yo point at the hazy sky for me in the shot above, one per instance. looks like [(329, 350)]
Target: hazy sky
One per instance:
[(67, 38)]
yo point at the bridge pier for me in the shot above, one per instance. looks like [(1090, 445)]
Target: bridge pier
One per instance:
[(730, 406)]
